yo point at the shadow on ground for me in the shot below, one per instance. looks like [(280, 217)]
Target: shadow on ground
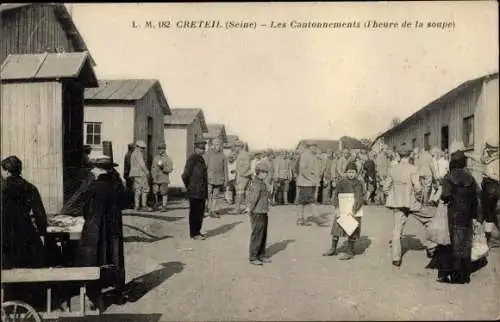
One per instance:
[(140, 286), (410, 242), (152, 216), (361, 245), (147, 238), (222, 229), (155, 317), (320, 221), (278, 247)]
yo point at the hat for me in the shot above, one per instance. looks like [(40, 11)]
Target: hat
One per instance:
[(162, 146), (458, 155), (103, 161), (200, 144), (351, 166), (140, 144), (262, 167), (404, 153)]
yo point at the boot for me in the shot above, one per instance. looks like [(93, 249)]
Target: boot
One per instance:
[(333, 250), (350, 251), (164, 202)]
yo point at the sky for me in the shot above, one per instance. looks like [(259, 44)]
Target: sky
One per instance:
[(274, 87)]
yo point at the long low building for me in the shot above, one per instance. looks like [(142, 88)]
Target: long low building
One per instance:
[(468, 115)]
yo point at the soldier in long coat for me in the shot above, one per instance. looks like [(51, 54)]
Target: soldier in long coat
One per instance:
[(403, 187), (160, 171), (101, 242)]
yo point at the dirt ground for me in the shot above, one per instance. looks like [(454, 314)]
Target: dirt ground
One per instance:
[(173, 278)]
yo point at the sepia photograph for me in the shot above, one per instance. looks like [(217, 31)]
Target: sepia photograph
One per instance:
[(250, 161)]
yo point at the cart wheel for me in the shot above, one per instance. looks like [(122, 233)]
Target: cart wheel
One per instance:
[(16, 311)]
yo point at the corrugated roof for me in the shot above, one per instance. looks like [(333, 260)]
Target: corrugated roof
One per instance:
[(126, 90), (64, 18), (186, 116), (352, 143), (439, 102), (216, 130), (49, 66)]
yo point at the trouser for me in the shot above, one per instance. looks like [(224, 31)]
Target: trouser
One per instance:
[(327, 193), (297, 193), (258, 237), (400, 218), (196, 213), (426, 186), (214, 192)]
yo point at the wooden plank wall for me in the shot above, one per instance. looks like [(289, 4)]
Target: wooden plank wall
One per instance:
[(31, 129), (149, 106), (32, 29), (451, 114), (176, 137)]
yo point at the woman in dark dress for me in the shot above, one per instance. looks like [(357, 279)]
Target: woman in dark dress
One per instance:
[(22, 246), (461, 196), (101, 242)]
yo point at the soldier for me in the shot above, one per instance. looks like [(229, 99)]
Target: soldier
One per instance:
[(216, 162), (160, 171), (140, 174), (404, 195)]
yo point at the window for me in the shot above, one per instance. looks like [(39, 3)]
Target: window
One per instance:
[(413, 143), (92, 133), (427, 139), (468, 131)]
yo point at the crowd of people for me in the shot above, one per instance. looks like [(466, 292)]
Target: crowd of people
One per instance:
[(409, 182)]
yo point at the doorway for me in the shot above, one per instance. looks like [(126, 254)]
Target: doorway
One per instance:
[(444, 138), (150, 147)]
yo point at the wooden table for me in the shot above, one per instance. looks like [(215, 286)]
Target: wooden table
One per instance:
[(49, 276)]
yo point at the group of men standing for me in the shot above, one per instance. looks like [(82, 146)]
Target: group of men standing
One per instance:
[(139, 178)]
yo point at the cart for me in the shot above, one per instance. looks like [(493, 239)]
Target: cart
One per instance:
[(48, 278)]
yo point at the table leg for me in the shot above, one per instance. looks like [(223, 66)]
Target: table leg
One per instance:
[(83, 290), (49, 299)]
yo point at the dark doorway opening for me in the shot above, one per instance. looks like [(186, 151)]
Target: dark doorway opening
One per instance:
[(444, 137)]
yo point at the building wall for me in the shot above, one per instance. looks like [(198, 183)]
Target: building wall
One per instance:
[(450, 114), (487, 116), (149, 106), (31, 29), (194, 131), (176, 139), (117, 124), (36, 136)]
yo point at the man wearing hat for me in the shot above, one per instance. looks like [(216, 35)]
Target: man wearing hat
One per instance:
[(129, 182), (140, 174), (160, 171), (195, 178), (243, 175), (103, 229), (216, 162), (403, 188)]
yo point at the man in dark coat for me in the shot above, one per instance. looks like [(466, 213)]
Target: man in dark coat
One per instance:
[(461, 196), (101, 242), (370, 177), (22, 245), (195, 178)]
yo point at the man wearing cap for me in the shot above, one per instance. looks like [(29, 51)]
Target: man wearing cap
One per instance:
[(216, 162), (403, 186), (268, 160), (195, 178), (243, 175), (282, 175), (490, 189), (103, 228), (129, 182), (307, 181), (160, 171), (140, 174), (424, 163)]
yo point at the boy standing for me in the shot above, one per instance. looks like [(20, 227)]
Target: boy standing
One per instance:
[(350, 184), (259, 207)]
